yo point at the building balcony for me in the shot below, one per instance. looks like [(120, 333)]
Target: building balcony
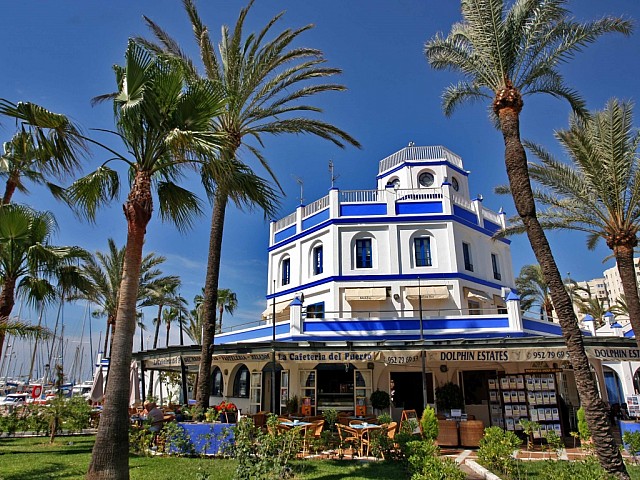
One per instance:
[(379, 326), (359, 205)]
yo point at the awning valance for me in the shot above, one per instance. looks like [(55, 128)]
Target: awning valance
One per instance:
[(375, 294), (280, 307), (428, 292), (479, 295)]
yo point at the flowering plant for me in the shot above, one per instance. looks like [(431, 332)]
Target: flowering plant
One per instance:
[(226, 407)]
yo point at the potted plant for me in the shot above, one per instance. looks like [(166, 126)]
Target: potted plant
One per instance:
[(449, 396), (228, 412), (292, 405), (380, 400)]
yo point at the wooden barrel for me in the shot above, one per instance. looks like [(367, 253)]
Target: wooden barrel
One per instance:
[(471, 432), (447, 433)]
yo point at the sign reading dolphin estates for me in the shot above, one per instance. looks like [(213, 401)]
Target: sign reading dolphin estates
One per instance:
[(500, 355)]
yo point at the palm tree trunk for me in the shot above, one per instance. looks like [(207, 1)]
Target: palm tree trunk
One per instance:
[(210, 302), (105, 350), (627, 271), (9, 189), (155, 345), (166, 343), (110, 456), (7, 301), (507, 106)]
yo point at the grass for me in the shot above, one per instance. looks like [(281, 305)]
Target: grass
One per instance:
[(534, 470), (68, 458)]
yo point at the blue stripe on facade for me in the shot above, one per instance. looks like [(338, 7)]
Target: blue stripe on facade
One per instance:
[(382, 278), (267, 331), (465, 214), (629, 334), (355, 209), (385, 220), (284, 234), (384, 326), (315, 219), (420, 164), (492, 227), (418, 207), (545, 327)]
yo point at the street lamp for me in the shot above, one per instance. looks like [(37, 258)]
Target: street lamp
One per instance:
[(273, 352), (423, 360)]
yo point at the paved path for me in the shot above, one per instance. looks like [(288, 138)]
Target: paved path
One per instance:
[(471, 475)]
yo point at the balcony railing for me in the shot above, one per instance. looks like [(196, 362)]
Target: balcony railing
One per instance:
[(315, 207), (361, 196), (285, 222)]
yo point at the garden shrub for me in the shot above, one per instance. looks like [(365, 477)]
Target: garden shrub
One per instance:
[(496, 450), (262, 456), (330, 418), (425, 463), (631, 442), (583, 428), (429, 423), (176, 439), (587, 469)]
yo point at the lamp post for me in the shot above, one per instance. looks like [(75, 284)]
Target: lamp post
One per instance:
[(423, 360), (273, 352)]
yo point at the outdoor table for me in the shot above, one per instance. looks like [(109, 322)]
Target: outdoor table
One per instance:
[(207, 438), (295, 423), (304, 426), (361, 429)]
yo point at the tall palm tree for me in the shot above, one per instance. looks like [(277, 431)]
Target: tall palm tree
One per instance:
[(169, 317), (227, 302), (27, 259), (599, 191), (534, 291), (162, 294), (105, 270), (265, 83), (507, 50), (165, 125), (46, 145), (194, 326)]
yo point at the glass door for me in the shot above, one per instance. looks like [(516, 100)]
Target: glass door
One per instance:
[(255, 392), (308, 391), (284, 390), (362, 391)]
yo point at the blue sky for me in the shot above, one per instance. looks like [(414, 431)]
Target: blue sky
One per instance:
[(59, 54)]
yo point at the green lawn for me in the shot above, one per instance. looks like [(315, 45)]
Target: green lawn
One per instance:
[(68, 458), (535, 470)]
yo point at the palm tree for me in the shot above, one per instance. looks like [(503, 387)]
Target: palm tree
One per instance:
[(264, 83), (27, 259), (599, 191), (162, 294), (534, 291), (194, 327), (165, 125), (506, 50), (227, 302), (142, 327), (170, 316), (46, 145), (620, 307), (105, 271)]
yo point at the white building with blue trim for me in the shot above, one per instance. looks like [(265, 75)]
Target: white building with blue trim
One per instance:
[(362, 283)]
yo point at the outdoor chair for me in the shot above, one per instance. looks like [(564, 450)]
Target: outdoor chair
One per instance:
[(316, 428), (348, 435)]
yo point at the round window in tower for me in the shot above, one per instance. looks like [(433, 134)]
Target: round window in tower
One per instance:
[(426, 179), (455, 184)]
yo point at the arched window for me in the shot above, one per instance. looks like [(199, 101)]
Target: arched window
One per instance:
[(317, 260), (422, 251), (285, 277), (241, 383), (216, 383)]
